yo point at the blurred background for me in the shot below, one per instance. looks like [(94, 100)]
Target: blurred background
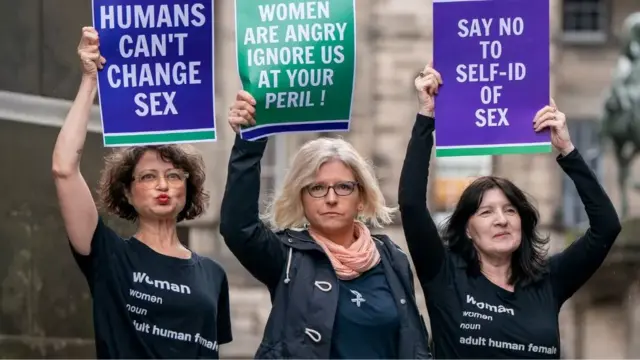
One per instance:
[(45, 305)]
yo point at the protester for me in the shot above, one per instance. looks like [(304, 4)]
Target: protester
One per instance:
[(491, 291), (152, 296), (337, 291)]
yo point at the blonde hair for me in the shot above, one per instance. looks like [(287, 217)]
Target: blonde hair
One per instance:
[(285, 210)]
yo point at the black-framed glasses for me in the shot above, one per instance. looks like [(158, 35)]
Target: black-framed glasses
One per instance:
[(174, 178), (343, 188)]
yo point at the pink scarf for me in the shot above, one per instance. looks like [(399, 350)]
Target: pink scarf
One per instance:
[(350, 262)]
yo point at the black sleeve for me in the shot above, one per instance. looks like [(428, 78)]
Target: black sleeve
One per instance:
[(257, 248), (104, 242), (224, 333), (571, 268), (424, 242)]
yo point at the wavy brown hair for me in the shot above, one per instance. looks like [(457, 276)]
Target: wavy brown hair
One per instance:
[(117, 176)]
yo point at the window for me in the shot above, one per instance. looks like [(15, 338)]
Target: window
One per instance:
[(584, 135), (584, 21), (452, 176)]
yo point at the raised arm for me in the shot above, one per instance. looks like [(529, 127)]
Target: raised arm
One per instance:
[(424, 243), (571, 268), (78, 209), (257, 248)]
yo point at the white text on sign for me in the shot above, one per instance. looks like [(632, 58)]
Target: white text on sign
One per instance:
[(159, 44), (493, 115), (280, 41)]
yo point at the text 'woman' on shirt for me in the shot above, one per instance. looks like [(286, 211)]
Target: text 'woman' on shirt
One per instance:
[(491, 290), (337, 290), (152, 296)]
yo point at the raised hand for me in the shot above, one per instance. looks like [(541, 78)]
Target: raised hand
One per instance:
[(89, 52), (549, 117), (242, 112), (427, 84)]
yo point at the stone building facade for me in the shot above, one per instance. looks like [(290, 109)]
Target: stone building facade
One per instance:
[(46, 307)]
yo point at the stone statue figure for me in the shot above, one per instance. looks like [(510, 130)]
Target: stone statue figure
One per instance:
[(621, 116)]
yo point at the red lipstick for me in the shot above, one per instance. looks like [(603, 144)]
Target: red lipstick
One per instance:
[(163, 198)]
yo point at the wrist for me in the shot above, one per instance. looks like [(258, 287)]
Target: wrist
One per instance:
[(567, 150), (427, 112), (88, 80)]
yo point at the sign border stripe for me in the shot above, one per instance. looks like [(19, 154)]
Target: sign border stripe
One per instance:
[(493, 150), (159, 138)]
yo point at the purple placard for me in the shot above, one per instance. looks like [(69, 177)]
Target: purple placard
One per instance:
[(158, 83), (493, 56)]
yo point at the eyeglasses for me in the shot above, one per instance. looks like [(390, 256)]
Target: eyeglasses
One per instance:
[(343, 188), (174, 178)]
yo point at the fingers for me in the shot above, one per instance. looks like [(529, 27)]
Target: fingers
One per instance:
[(548, 123), (428, 80), (428, 84), (89, 36), (242, 112), (244, 106), (544, 119), (245, 96), (544, 110), (244, 116)]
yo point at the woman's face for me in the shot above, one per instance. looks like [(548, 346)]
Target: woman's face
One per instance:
[(332, 201), (158, 190), (495, 227)]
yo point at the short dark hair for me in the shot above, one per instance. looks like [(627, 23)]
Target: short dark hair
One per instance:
[(528, 262), (117, 176)]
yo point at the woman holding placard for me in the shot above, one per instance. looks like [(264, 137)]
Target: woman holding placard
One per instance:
[(152, 296), (491, 292), (337, 290)]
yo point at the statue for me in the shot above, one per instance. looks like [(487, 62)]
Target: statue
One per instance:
[(621, 117)]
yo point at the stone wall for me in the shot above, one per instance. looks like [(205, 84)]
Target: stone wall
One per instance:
[(45, 304)]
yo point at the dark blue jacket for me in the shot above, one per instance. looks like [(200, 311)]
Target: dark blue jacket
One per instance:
[(302, 283)]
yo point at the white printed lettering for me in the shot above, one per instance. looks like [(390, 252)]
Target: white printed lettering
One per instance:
[(136, 310), (493, 308), (294, 55), (155, 103), (476, 315), (151, 16), (143, 278), (470, 326), (487, 117), (477, 72), (212, 345), (315, 32), (310, 77), (176, 335), (146, 297), (307, 10), (150, 45), (482, 341), (158, 74), (543, 349), (477, 27), (509, 26), (282, 100)]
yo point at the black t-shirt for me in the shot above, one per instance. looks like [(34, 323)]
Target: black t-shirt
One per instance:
[(149, 305), (470, 316), (367, 323)]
